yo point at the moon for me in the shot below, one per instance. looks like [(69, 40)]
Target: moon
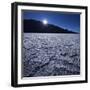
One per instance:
[(45, 21)]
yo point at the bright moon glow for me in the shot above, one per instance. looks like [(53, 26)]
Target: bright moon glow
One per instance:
[(45, 21)]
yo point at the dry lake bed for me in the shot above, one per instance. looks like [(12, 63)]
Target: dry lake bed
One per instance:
[(50, 54)]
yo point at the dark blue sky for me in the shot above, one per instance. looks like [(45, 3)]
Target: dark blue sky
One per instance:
[(65, 20)]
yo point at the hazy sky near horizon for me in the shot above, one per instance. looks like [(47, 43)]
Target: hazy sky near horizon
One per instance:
[(70, 21)]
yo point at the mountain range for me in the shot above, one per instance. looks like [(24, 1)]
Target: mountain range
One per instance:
[(34, 26)]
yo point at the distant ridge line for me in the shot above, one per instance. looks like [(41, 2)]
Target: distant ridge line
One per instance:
[(35, 26)]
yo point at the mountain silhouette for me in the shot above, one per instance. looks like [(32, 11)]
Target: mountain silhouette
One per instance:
[(34, 26)]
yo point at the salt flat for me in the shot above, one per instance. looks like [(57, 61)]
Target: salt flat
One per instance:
[(50, 54)]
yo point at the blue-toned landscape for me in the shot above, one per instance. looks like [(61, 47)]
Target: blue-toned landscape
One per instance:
[(51, 47)]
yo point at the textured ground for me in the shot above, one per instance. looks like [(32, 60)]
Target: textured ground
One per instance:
[(50, 54)]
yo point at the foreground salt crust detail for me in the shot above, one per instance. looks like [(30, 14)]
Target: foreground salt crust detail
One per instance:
[(50, 54)]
